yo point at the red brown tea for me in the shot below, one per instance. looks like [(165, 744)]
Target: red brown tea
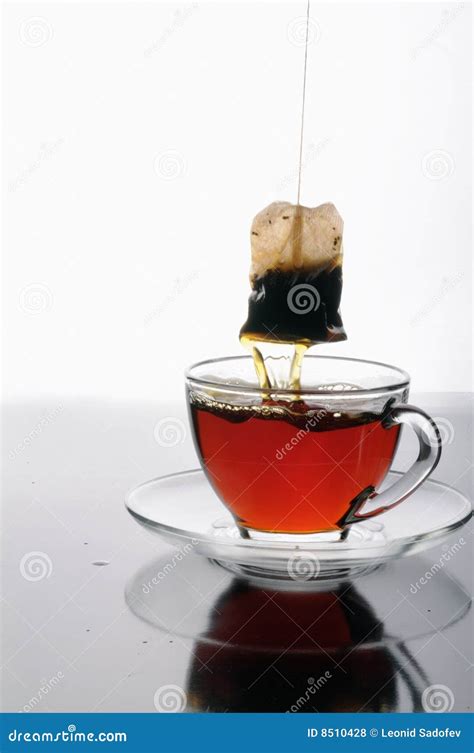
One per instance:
[(287, 467)]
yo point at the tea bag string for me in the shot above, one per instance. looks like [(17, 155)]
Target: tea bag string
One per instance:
[(300, 164), (300, 348)]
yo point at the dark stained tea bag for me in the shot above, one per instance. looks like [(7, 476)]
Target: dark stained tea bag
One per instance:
[(296, 276)]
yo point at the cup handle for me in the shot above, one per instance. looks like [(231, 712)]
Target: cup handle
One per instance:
[(429, 454)]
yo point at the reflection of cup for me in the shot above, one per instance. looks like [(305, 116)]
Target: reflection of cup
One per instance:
[(308, 654), (305, 461)]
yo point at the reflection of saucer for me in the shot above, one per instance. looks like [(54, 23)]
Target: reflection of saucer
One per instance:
[(343, 648), (183, 509), (184, 596)]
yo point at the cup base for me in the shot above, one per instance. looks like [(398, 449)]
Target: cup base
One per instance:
[(295, 539)]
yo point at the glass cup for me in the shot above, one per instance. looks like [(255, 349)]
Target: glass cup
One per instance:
[(308, 461)]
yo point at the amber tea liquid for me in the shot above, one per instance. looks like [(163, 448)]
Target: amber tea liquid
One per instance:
[(287, 467)]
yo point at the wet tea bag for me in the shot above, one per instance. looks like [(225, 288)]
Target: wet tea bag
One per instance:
[(296, 275), (296, 280)]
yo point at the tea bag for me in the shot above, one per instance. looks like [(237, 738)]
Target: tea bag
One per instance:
[(295, 275)]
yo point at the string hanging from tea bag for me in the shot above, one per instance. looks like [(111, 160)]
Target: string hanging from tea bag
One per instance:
[(303, 101), (300, 348)]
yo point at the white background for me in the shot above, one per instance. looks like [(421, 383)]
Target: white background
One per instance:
[(141, 139)]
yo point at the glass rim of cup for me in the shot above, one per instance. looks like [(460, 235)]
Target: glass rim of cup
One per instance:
[(217, 383)]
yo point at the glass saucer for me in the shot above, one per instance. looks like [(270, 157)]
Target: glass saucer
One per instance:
[(183, 509)]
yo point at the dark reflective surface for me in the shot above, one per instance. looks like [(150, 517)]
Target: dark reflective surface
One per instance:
[(345, 647)]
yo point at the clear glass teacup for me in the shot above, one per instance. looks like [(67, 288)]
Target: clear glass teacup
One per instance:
[(307, 461)]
